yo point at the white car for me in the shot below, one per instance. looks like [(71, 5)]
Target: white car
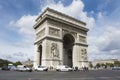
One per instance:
[(23, 68), (63, 68), (41, 68)]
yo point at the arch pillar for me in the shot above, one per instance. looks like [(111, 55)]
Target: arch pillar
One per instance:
[(75, 56), (36, 56)]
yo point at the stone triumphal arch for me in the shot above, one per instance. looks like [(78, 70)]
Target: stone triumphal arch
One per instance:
[(60, 40)]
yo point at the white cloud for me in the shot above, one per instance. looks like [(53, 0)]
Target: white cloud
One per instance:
[(24, 24), (75, 9), (105, 43), (100, 15), (9, 51)]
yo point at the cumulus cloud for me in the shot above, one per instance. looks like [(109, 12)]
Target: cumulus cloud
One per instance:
[(20, 56), (16, 53), (103, 42), (25, 24), (75, 9), (106, 44)]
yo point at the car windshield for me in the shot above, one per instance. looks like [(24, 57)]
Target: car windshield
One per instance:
[(24, 66), (67, 67), (41, 66)]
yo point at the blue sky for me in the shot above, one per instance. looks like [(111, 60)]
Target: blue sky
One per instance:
[(18, 16)]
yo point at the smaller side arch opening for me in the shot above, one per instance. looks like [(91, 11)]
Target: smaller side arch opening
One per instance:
[(40, 56)]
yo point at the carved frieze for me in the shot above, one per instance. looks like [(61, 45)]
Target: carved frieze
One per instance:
[(54, 31), (54, 50), (82, 39), (40, 34), (64, 32), (69, 32), (74, 34)]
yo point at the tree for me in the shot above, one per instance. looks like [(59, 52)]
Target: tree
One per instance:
[(117, 63), (97, 65), (109, 64), (17, 63), (91, 65), (4, 63)]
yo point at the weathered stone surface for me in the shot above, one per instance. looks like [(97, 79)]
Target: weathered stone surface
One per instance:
[(60, 40)]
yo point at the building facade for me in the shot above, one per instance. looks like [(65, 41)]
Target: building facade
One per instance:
[(103, 61), (60, 40)]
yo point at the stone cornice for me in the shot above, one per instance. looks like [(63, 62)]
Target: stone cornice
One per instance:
[(58, 16), (59, 13), (49, 38), (47, 16), (81, 44), (60, 40), (52, 60), (83, 61)]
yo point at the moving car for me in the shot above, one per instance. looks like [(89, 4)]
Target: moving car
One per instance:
[(41, 68), (63, 68), (23, 68)]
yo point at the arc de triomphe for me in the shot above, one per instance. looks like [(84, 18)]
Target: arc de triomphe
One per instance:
[(60, 40)]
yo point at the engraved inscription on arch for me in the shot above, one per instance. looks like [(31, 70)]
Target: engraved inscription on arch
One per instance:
[(54, 31)]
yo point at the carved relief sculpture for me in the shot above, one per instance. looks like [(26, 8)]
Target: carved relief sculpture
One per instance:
[(54, 31), (40, 34), (55, 50), (84, 54)]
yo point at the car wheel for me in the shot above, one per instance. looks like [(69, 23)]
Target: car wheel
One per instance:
[(57, 69), (46, 70)]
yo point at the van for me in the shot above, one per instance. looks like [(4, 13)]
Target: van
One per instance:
[(23, 68)]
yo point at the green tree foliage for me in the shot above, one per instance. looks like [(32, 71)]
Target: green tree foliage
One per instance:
[(97, 65), (4, 63), (117, 63), (106, 65), (90, 65), (17, 63), (109, 64)]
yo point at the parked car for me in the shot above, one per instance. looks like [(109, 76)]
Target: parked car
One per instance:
[(41, 68), (23, 68), (115, 68), (5, 68), (63, 68), (12, 67)]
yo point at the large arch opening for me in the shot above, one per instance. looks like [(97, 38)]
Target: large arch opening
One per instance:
[(68, 42), (40, 52)]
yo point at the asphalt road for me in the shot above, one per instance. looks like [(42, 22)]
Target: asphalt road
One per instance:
[(53, 75)]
